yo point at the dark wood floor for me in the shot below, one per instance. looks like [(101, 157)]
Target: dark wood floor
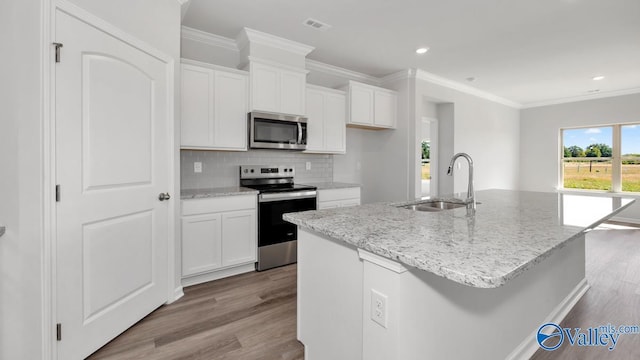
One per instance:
[(249, 316), (253, 316), (613, 271)]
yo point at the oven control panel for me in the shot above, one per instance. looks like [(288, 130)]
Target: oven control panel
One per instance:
[(262, 171)]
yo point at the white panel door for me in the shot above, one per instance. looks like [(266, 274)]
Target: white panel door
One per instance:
[(230, 94), (265, 88), (315, 120), (334, 123), (361, 105), (201, 243), (292, 96), (239, 241), (197, 106), (113, 158), (385, 109)]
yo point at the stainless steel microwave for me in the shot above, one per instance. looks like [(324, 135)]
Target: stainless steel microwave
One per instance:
[(277, 131)]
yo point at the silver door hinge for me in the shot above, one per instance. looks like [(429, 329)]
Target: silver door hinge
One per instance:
[(57, 193), (58, 46), (58, 331)]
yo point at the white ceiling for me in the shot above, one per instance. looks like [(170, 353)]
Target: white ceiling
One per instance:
[(527, 51)]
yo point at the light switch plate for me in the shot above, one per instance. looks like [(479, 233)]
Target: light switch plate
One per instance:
[(197, 167)]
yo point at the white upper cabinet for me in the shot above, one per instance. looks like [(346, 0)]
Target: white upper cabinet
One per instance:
[(277, 89), (371, 106), (326, 112), (214, 108)]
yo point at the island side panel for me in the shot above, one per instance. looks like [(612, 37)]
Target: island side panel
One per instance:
[(440, 319), (330, 276)]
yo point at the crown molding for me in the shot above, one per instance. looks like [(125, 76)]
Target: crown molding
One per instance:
[(208, 38), (247, 36), (599, 95), (313, 65), (182, 2), (439, 80), (399, 75), (186, 61)]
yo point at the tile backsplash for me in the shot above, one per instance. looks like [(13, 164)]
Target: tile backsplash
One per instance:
[(221, 168)]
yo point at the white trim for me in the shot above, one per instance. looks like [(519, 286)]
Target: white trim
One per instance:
[(208, 38), (381, 261), (182, 2), (324, 68), (419, 74), (529, 346), (213, 66), (247, 36), (274, 64), (326, 89), (218, 274), (626, 220), (177, 294), (600, 95), (48, 270)]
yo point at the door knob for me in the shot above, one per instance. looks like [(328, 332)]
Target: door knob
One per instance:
[(164, 196)]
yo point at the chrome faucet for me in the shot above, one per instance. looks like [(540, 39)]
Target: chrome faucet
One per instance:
[(471, 195)]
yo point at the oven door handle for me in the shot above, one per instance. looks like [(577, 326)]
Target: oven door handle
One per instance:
[(287, 196)]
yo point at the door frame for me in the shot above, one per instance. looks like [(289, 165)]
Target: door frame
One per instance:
[(49, 229)]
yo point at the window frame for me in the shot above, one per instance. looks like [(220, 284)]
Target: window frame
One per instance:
[(616, 158)]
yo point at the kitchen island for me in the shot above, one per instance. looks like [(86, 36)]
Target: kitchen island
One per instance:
[(379, 281)]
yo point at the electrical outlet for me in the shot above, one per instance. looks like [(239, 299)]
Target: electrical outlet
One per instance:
[(308, 165), (379, 308), (197, 167)]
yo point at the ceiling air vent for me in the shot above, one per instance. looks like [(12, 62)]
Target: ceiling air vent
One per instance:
[(315, 24)]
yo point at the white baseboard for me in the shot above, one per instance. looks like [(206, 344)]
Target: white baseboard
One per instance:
[(529, 346), (219, 274), (177, 294), (626, 220)]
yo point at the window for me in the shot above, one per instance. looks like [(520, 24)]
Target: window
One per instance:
[(601, 158)]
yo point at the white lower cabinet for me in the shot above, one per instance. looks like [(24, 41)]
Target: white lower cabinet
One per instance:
[(219, 237), (335, 198)]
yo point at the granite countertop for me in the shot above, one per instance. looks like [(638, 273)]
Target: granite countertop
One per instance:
[(510, 232), (333, 185), (187, 194)]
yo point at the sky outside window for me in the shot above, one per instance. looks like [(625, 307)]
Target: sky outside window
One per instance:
[(588, 136)]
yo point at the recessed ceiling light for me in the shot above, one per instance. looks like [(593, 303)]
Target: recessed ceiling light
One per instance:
[(471, 79), (422, 50), (593, 91), (599, 77)]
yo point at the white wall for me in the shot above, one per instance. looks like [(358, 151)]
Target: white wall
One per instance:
[(540, 137), (21, 181), (486, 130), (22, 136)]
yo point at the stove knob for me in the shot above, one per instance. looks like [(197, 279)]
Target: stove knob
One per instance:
[(290, 170), (252, 171), (285, 170), (246, 171)]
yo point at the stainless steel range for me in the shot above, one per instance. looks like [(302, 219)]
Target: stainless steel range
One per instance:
[(277, 239)]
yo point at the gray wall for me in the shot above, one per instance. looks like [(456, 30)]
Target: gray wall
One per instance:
[(220, 168), (540, 138)]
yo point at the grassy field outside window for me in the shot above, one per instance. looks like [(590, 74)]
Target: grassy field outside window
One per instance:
[(589, 158)]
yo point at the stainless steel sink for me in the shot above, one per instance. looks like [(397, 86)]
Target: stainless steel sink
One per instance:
[(437, 205)]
